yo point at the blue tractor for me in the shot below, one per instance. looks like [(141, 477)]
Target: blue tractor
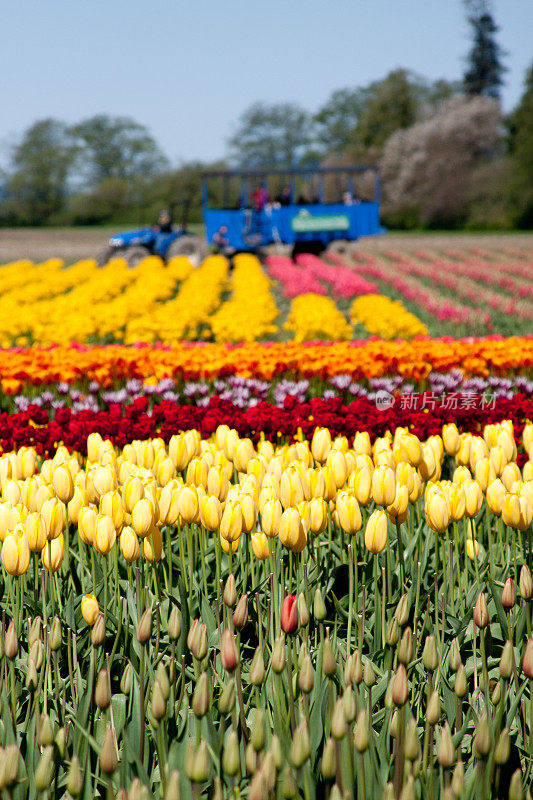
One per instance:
[(308, 209), (164, 240)]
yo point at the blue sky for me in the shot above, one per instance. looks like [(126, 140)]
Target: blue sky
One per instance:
[(187, 70)]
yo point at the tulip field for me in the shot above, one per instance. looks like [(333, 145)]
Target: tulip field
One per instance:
[(266, 528)]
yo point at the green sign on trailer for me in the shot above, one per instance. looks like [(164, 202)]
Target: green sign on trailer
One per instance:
[(305, 222)]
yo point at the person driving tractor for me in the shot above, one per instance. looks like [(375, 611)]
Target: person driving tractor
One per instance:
[(164, 222)]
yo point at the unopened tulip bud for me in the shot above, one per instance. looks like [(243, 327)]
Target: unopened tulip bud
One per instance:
[(228, 651), (360, 735), (303, 611), (202, 763), (200, 699), (231, 759), (32, 678), (527, 661), (226, 701), (37, 653), (174, 624), (61, 742), (481, 612), (258, 732), (454, 658), (393, 726), (126, 679), (525, 584), (348, 703), (445, 749), (406, 648), (508, 595), (458, 779), (257, 668), (289, 614), (401, 613), (357, 669), (289, 787), (430, 656), (328, 765), (516, 791), (34, 633), (300, 747), (306, 675), (393, 632), (329, 665), (400, 688), (408, 791), (240, 615), (158, 705), (230, 591), (74, 777), (102, 692), (502, 751), (45, 770), (319, 607), (433, 709), (338, 720), (278, 654), (108, 753), (460, 687), (11, 644), (55, 637), (369, 676), (144, 628), (173, 790), (482, 738), (506, 660), (496, 694), (45, 733), (250, 759), (412, 744), (388, 792), (98, 632)]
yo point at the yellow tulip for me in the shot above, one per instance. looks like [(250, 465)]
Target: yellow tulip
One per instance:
[(348, 512), (429, 467), (462, 475), (271, 517), (506, 441), (511, 474), (52, 554), (94, 441), (290, 528), (87, 524), (318, 515), (105, 534), (291, 490), (498, 459), (437, 510), (231, 522), (527, 436), (143, 517), (153, 545), (35, 532), (217, 482), (462, 455), (129, 544), (376, 531), (111, 506), (26, 461), (16, 551), (244, 452), (210, 512), (53, 513), (89, 608), (455, 495), (336, 461), (397, 510), (169, 503), (11, 492), (317, 483), (527, 470), (472, 549), (361, 484), (197, 472), (330, 487), (63, 484), (484, 472), (104, 480), (188, 504), (257, 467), (132, 492), (165, 471), (79, 500), (321, 444), (495, 496), (260, 545), (383, 486), (226, 544), (516, 511), (249, 512), (473, 498), (361, 443)]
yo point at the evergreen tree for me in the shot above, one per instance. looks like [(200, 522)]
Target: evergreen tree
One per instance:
[(484, 74)]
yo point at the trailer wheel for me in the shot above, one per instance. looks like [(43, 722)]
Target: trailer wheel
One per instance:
[(134, 255), (191, 246)]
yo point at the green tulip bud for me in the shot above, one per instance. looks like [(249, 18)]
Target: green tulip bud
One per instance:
[(257, 668), (45, 770), (270, 772), (37, 653), (74, 777), (45, 733), (159, 704), (11, 645), (388, 792), (460, 687), (32, 679), (407, 646), (250, 759), (516, 791), (496, 694), (369, 676), (357, 669), (348, 703), (173, 791), (125, 681), (34, 633), (319, 607), (502, 751), (400, 687), (229, 595), (9, 765), (108, 753), (300, 747), (393, 725), (445, 748), (231, 759), (329, 760), (433, 710), (61, 742), (55, 637), (408, 791), (525, 584), (402, 610), (303, 611), (202, 763), (226, 701), (240, 615), (278, 654), (162, 677), (200, 699), (506, 661), (482, 738), (412, 744), (258, 734), (454, 657), (275, 749), (102, 692), (98, 631), (174, 624), (430, 656), (360, 735), (338, 720), (393, 632), (144, 628), (289, 786), (329, 665), (458, 779), (306, 676)]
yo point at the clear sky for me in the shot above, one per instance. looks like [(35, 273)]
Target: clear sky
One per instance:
[(187, 70)]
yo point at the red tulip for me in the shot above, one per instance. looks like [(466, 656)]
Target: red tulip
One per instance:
[(289, 614)]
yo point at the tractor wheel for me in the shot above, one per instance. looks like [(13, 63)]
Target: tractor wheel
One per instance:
[(193, 247), (133, 255)]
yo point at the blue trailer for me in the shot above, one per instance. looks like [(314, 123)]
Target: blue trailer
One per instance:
[(335, 211)]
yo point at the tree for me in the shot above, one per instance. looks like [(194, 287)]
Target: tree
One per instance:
[(337, 119), (116, 147), (270, 136), (521, 147), (427, 168), (41, 163), (484, 73)]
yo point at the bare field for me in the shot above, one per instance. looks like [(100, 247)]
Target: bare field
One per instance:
[(72, 244)]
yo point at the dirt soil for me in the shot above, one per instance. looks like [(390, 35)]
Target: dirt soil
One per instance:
[(71, 244)]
